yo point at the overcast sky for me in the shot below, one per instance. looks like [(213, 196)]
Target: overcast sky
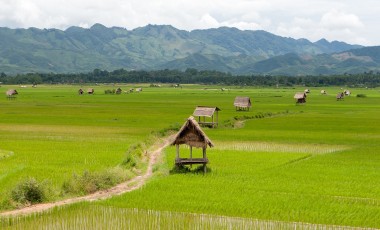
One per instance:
[(352, 21)]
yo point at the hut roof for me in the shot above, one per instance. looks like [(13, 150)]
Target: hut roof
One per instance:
[(299, 95), (242, 102), (11, 92), (340, 95), (90, 90), (192, 134), (204, 111)]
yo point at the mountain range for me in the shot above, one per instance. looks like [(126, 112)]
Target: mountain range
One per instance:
[(152, 47)]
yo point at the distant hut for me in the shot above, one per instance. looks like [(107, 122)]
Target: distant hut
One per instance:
[(139, 90), (90, 91), (340, 96), (242, 103), (11, 93), (300, 98), (80, 91), (307, 91), (192, 135), (118, 91), (205, 111), (347, 92), (323, 91)]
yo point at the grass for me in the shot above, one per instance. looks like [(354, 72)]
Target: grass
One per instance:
[(99, 217), (315, 163)]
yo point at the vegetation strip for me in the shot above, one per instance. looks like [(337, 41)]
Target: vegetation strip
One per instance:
[(280, 147)]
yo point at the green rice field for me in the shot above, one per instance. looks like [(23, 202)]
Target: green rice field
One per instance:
[(277, 166)]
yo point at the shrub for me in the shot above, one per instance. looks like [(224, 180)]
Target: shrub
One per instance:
[(29, 191), (90, 182), (361, 95)]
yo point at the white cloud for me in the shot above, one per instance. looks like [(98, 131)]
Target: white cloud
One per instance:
[(313, 19), (338, 20)]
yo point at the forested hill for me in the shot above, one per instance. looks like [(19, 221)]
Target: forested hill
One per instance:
[(155, 47)]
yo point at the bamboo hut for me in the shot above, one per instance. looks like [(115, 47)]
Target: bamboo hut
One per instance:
[(340, 96), (323, 91), (242, 103), (204, 111), (11, 93), (300, 98), (192, 135), (90, 91)]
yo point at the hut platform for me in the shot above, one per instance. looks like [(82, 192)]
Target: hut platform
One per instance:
[(190, 161)]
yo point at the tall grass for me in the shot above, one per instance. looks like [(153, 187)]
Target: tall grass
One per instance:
[(100, 217)]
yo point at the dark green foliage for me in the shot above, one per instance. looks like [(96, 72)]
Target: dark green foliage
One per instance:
[(109, 91), (361, 95), (367, 79), (29, 191)]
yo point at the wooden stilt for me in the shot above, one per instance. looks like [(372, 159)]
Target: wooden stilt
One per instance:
[(191, 155)]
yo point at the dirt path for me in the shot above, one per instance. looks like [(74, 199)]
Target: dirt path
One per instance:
[(133, 184)]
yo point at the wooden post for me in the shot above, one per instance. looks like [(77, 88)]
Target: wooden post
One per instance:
[(177, 151), (204, 158), (216, 118), (212, 121), (191, 155)]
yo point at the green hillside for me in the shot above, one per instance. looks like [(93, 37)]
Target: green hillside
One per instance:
[(79, 49)]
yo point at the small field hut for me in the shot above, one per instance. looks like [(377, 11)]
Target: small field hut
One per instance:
[(90, 91), (80, 91), (11, 93), (204, 111), (323, 91), (300, 98), (242, 103), (340, 96), (192, 135), (118, 91)]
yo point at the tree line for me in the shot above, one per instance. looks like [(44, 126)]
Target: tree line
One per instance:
[(192, 76)]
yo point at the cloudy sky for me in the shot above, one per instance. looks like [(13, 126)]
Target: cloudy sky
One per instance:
[(352, 21)]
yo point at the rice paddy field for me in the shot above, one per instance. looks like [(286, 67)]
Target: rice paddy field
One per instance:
[(277, 166)]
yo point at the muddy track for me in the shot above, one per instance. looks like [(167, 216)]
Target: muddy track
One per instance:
[(130, 185)]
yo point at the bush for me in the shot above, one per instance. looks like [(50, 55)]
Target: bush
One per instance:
[(29, 191), (361, 95), (90, 182)]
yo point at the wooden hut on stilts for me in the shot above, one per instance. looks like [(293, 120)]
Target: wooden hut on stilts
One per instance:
[(205, 111), (192, 135), (242, 103)]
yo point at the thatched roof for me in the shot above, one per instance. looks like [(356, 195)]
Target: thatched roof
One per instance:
[(90, 90), (300, 95), (192, 134), (242, 102), (340, 96), (11, 92), (204, 111)]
